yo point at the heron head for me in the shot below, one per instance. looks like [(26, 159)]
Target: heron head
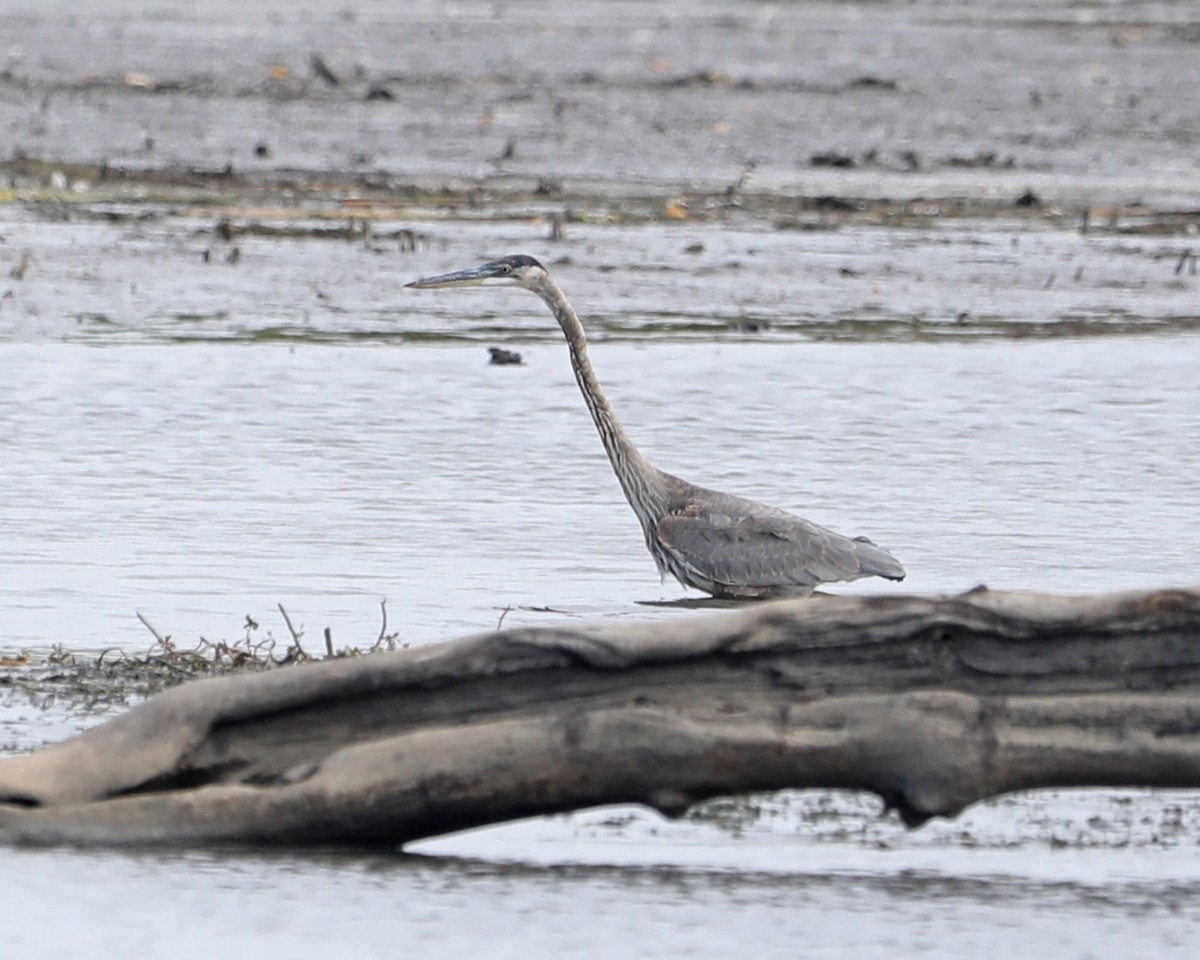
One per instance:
[(520, 269)]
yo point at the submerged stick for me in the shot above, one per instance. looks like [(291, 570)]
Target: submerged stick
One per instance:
[(932, 703)]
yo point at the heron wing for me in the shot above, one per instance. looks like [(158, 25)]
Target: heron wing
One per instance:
[(772, 551)]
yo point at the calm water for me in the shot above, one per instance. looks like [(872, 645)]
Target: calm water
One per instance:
[(447, 908), (199, 484)]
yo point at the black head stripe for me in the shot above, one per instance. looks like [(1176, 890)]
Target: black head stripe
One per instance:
[(518, 260)]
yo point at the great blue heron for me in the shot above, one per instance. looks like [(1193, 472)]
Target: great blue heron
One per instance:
[(724, 545)]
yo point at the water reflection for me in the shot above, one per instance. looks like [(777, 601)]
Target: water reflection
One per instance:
[(318, 905)]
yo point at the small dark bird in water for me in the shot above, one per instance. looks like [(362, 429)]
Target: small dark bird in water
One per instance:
[(502, 357), (724, 545)]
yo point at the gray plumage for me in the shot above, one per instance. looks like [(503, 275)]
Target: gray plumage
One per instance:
[(724, 545)]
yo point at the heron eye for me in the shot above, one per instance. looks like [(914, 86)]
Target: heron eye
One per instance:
[(506, 268)]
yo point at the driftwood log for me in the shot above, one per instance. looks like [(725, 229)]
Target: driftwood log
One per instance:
[(932, 703)]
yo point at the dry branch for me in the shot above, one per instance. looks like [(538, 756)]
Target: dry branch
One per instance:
[(933, 703)]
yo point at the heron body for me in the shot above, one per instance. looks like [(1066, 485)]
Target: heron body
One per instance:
[(721, 544)]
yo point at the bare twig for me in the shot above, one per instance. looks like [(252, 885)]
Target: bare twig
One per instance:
[(383, 625), (288, 621), (503, 613), (385, 640), (267, 644), (163, 641), (328, 642), (292, 630)]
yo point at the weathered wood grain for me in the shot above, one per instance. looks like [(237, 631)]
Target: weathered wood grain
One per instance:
[(932, 703)]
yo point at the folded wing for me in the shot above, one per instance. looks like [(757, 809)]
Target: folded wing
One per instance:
[(773, 553)]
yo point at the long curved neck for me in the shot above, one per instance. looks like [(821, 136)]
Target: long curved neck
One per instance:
[(641, 481)]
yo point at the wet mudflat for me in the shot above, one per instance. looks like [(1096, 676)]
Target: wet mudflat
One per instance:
[(921, 271), (836, 99)]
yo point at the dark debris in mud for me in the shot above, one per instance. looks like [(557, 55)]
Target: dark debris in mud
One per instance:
[(227, 218), (109, 192)]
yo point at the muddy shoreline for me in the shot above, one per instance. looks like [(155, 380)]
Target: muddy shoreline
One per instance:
[(113, 194), (1051, 144), (770, 105)]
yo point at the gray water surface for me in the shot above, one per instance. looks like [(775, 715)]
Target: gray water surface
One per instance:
[(194, 905), (198, 484)]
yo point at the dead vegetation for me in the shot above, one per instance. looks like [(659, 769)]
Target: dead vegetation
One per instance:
[(345, 205), (89, 681)]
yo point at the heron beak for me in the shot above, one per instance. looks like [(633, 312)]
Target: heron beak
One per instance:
[(461, 278)]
